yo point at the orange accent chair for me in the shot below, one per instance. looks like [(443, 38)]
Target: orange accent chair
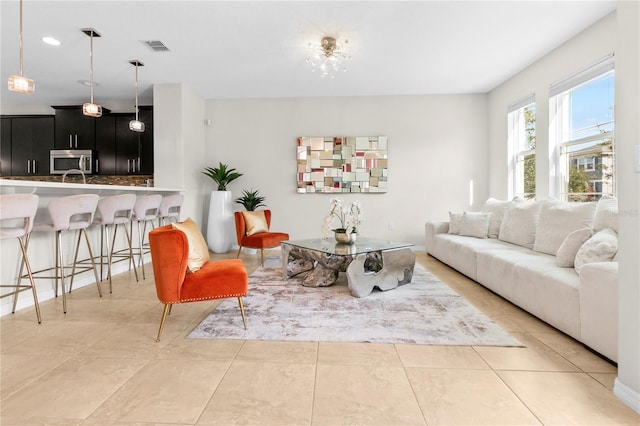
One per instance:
[(261, 240), (215, 280)]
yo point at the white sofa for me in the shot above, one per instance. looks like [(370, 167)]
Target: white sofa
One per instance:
[(553, 259)]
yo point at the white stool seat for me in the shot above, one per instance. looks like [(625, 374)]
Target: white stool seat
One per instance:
[(114, 210), (170, 208), (70, 213), (145, 210), (16, 221)]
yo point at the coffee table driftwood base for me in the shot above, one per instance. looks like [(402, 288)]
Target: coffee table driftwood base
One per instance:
[(384, 265)]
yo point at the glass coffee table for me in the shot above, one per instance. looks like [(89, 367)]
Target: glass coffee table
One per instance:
[(368, 263)]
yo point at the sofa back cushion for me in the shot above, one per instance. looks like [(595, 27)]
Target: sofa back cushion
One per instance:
[(475, 224), (606, 215), (557, 220), (566, 255), (497, 208), (519, 223)]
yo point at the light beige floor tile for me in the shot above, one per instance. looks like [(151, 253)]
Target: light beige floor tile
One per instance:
[(37, 421), (440, 357), (575, 352), (606, 379), (357, 354), (520, 321), (72, 390), (535, 356), (20, 370), (181, 348), (109, 422), (466, 397), (286, 352), (59, 338), (165, 391), (262, 393), (364, 395), (568, 399)]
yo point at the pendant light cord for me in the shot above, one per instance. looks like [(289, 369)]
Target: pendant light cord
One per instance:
[(91, 67), (20, 40), (137, 91)]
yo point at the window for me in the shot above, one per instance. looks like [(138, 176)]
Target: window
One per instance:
[(522, 140), (582, 133)]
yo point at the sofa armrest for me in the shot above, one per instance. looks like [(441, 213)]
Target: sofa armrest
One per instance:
[(599, 307), (433, 228)]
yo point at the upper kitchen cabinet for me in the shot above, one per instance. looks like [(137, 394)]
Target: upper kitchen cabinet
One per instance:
[(31, 141), (5, 147), (73, 130)]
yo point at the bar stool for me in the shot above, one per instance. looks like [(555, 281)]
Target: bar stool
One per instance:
[(113, 211), (71, 213), (170, 208), (145, 210), (16, 208)]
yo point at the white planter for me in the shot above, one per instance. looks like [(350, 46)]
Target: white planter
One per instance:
[(220, 227)]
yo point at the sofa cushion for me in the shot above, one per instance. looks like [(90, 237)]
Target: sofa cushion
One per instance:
[(497, 209), (606, 215), (475, 224), (566, 255), (519, 223), (557, 220), (601, 247), (455, 221)]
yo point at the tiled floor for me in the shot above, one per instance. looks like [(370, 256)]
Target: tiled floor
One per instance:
[(100, 365)]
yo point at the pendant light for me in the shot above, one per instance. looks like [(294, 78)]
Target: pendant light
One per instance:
[(136, 125), (20, 83), (89, 108)]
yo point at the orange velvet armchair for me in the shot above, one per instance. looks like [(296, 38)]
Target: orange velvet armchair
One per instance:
[(260, 240), (215, 280)]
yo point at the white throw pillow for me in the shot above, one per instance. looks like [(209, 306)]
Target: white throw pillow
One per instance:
[(566, 255), (475, 224), (497, 209), (519, 223), (557, 220), (601, 247), (606, 215), (455, 220)]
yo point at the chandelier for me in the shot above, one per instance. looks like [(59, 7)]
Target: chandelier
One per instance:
[(328, 57)]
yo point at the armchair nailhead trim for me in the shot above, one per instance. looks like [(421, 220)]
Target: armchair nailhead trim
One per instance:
[(208, 298)]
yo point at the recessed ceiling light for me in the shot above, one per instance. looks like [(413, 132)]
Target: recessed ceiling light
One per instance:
[(87, 83), (52, 41)]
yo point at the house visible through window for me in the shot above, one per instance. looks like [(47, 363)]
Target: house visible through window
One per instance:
[(522, 139), (582, 133)]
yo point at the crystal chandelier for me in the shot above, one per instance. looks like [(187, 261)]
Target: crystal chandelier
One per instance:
[(329, 57)]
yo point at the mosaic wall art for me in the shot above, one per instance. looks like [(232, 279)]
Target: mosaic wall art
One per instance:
[(342, 164)]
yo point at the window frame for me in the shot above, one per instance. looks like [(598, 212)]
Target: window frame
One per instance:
[(516, 139)]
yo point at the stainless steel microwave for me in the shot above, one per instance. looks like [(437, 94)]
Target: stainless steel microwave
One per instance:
[(64, 160)]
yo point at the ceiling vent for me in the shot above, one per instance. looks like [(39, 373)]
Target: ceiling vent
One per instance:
[(157, 46)]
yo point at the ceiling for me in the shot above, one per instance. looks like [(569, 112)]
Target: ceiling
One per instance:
[(241, 49)]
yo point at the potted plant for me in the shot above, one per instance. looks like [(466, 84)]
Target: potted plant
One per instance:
[(222, 175), (251, 200), (220, 226)]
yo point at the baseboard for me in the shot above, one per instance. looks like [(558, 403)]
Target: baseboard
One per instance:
[(627, 395)]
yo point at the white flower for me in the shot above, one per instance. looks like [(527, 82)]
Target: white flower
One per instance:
[(349, 218)]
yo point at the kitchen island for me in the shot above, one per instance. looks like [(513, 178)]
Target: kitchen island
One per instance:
[(41, 247)]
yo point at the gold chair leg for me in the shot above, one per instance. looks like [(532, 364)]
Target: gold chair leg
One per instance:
[(244, 319), (167, 308), (238, 255)]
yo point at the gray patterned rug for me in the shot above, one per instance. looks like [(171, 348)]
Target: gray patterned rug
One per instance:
[(425, 311)]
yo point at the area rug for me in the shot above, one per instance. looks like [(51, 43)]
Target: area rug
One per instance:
[(425, 311)]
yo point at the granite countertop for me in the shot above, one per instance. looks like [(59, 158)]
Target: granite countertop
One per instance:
[(120, 180)]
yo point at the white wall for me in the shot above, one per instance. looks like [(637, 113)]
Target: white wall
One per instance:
[(179, 148), (437, 145), (627, 385), (617, 32)]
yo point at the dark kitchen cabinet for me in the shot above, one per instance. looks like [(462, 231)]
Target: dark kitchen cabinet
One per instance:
[(128, 155), (5, 147), (73, 130), (31, 140), (105, 153)]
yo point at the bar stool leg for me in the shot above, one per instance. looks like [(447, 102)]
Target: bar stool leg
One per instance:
[(60, 266), (93, 263), (25, 263), (129, 241)]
